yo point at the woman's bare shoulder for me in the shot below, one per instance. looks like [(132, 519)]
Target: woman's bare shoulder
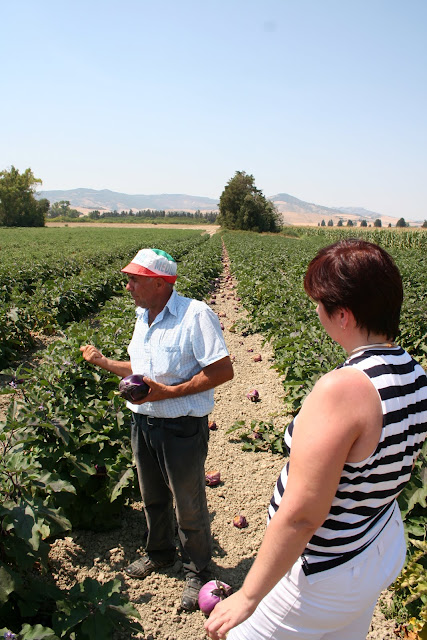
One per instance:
[(343, 380), (345, 395)]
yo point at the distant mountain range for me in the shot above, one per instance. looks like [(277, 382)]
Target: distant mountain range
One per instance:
[(286, 203), (106, 200), (293, 210)]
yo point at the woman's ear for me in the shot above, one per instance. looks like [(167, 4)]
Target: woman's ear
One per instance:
[(346, 318)]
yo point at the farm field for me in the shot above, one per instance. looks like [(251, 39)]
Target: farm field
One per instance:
[(207, 228), (66, 443)]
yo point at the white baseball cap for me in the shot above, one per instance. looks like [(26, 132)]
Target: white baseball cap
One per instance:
[(153, 263)]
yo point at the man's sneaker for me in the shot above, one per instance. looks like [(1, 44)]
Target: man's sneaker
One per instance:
[(146, 565), (190, 595)]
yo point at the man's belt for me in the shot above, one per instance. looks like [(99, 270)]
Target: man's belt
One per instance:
[(152, 421)]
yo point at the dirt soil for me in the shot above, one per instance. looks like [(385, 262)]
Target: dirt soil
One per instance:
[(208, 228), (247, 481)]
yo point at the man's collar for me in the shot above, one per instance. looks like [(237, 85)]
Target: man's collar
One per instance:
[(171, 306)]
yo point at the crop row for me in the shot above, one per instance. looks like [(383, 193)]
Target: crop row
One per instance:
[(387, 238), (63, 253), (65, 458), (270, 286), (69, 294)]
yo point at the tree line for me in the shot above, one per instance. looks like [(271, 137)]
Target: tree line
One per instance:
[(62, 209), (363, 223), (242, 206)]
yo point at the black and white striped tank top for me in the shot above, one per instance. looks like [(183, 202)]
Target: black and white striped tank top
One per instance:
[(367, 490)]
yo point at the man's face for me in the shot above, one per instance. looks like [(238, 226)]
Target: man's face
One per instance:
[(144, 290)]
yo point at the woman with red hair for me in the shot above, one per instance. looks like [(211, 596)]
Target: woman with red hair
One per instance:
[(335, 538)]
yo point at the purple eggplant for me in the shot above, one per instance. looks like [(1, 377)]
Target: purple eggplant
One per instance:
[(133, 388)]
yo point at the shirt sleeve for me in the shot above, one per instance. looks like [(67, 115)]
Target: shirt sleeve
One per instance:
[(208, 340)]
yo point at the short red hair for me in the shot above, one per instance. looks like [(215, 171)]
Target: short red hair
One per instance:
[(362, 277)]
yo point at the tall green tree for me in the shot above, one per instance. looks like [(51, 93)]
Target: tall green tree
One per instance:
[(401, 223), (62, 208), (18, 205), (377, 223), (242, 206)]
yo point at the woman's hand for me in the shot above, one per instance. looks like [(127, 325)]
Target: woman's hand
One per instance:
[(227, 614)]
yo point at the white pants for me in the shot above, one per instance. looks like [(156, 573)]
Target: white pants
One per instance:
[(336, 607)]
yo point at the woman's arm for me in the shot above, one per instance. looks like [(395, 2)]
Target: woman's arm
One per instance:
[(329, 424)]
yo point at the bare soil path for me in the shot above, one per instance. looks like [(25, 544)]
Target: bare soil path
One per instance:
[(208, 228)]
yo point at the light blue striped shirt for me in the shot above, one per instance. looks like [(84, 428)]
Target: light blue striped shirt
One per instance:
[(184, 338)]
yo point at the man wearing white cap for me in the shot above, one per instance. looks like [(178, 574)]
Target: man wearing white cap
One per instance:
[(178, 347)]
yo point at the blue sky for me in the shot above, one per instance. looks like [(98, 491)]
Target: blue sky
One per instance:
[(321, 99)]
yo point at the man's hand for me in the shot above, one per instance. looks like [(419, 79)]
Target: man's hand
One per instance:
[(208, 378), (211, 376), (157, 392), (92, 355)]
